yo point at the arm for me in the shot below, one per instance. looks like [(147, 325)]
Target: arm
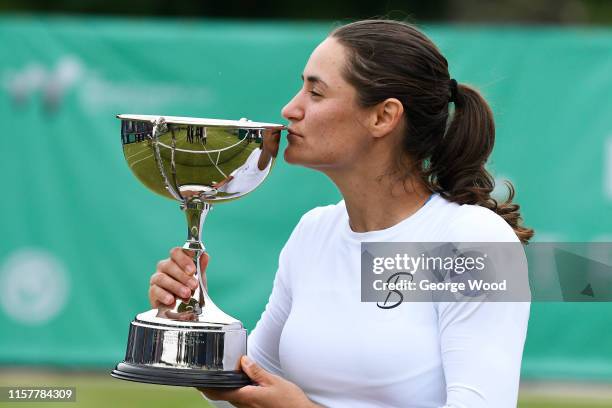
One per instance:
[(482, 342), (263, 362), (264, 340), (482, 346)]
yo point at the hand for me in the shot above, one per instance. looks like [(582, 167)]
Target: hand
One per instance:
[(174, 278), (271, 391), (222, 182), (271, 141)]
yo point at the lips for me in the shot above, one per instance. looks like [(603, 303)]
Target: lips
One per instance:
[(293, 132)]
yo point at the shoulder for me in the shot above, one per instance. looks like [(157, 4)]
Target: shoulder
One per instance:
[(319, 221), (473, 223), (314, 227), (324, 213)]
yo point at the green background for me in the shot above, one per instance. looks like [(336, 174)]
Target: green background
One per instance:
[(67, 192)]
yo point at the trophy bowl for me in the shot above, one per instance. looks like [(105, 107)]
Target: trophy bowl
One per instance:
[(197, 162)]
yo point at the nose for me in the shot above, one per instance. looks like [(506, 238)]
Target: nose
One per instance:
[(293, 111)]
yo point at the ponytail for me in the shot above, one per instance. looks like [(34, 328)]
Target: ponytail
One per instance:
[(457, 165)]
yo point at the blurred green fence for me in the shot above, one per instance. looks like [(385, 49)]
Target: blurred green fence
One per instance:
[(80, 236)]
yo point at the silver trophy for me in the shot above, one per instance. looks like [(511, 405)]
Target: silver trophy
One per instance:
[(197, 162)]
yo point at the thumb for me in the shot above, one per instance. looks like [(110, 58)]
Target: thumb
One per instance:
[(255, 372), (204, 259)]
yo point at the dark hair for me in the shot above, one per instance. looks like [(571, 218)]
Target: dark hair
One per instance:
[(448, 149)]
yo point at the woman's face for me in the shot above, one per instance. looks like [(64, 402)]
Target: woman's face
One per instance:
[(325, 121)]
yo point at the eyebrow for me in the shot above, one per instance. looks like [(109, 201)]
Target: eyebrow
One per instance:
[(314, 80)]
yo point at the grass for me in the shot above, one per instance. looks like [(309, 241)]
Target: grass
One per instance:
[(201, 169), (97, 389), (551, 402)]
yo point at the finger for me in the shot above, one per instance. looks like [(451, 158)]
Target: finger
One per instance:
[(171, 285), (159, 296), (241, 395), (169, 267), (204, 260), (255, 372), (183, 259), (217, 394), (273, 132)]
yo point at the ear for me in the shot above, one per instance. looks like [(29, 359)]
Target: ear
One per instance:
[(385, 117)]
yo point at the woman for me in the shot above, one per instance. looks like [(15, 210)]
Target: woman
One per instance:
[(406, 146)]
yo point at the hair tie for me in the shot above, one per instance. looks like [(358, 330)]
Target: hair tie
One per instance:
[(453, 91)]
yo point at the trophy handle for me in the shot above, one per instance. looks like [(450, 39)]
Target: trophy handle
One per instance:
[(160, 127)]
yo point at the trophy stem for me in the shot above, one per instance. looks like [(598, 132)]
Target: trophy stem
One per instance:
[(196, 211)]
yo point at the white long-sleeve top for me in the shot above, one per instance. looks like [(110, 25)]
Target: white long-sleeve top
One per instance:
[(317, 333)]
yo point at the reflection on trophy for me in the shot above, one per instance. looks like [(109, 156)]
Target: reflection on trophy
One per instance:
[(197, 162)]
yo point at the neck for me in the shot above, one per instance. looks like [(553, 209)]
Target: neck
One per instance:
[(374, 201)]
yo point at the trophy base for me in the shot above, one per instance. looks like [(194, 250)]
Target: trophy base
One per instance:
[(184, 353), (181, 377)]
